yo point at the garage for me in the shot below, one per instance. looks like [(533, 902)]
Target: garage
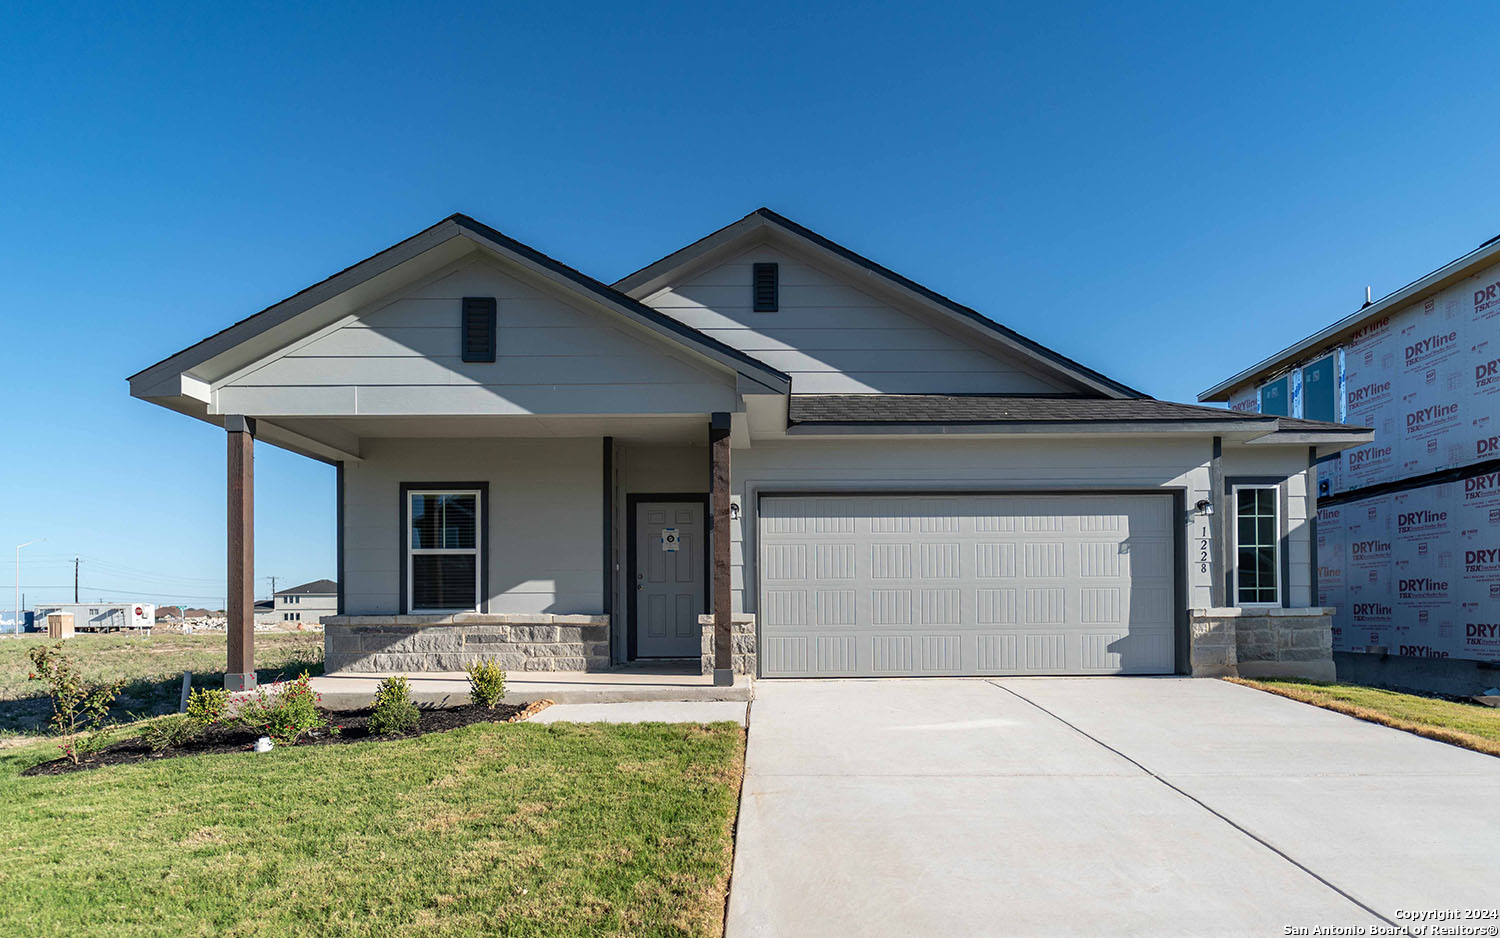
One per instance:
[(966, 584)]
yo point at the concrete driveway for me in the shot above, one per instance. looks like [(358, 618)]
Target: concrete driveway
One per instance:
[(1095, 806)]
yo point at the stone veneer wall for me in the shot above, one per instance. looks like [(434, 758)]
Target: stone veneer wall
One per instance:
[(742, 643), (517, 642), (1253, 642)]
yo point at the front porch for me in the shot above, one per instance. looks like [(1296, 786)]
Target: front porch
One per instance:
[(568, 558)]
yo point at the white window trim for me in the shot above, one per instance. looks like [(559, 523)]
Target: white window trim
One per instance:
[(1234, 507), (476, 551)]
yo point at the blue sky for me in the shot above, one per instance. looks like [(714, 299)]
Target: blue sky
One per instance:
[(1166, 193)]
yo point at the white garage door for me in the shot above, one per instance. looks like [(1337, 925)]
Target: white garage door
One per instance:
[(968, 584)]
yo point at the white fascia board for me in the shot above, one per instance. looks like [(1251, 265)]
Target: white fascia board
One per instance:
[(1340, 441), (1435, 282), (181, 385)]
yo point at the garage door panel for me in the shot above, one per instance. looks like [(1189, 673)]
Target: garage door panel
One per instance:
[(870, 585), (994, 560)]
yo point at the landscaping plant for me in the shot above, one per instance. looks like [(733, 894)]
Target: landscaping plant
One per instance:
[(77, 706), (207, 706), (169, 732), (394, 710), (286, 712), (486, 683)]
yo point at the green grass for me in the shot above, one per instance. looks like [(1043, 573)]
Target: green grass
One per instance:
[(493, 829), (152, 666), (1473, 726)]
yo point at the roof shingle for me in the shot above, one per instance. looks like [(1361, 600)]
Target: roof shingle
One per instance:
[(1000, 408), (318, 587)]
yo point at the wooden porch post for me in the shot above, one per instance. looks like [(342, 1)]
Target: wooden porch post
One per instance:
[(240, 607), (718, 527)]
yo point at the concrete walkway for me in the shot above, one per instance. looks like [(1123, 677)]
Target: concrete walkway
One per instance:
[(344, 690), (1095, 806), (695, 711)]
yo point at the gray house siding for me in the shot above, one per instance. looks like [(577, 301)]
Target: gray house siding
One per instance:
[(401, 356), (545, 515), (1288, 464), (833, 338), (308, 608)]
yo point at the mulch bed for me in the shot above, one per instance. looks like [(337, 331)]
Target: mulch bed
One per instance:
[(354, 727)]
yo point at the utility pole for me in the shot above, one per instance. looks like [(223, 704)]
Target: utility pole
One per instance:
[(75, 580)]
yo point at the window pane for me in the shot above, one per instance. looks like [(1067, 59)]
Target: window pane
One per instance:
[(1265, 563), (426, 521), (1256, 573), (1274, 397), (459, 521), (1320, 391), (1265, 502), (444, 521), (1265, 531), (443, 581), (1247, 531)]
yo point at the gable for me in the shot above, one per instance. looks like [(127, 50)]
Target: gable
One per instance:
[(401, 355), (833, 337)]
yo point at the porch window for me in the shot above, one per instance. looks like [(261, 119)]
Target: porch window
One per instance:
[(443, 555), (1257, 545)]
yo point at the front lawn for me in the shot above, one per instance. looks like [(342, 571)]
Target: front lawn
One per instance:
[(1472, 726), (492, 829), (151, 665)]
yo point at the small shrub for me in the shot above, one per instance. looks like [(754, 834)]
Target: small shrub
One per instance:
[(394, 710), (81, 747), (169, 732), (486, 683), (286, 712), (77, 706), (207, 706)]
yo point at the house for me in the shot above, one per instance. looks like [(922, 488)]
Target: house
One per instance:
[(306, 604), (1408, 524), (763, 451)]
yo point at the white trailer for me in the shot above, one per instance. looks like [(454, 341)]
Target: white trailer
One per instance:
[(104, 617)]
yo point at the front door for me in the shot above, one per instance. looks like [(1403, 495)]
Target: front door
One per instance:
[(669, 579)]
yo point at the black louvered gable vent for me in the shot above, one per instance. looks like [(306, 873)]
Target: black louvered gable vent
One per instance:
[(766, 288), (479, 329)]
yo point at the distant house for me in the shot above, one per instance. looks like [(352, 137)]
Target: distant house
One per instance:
[(307, 603)]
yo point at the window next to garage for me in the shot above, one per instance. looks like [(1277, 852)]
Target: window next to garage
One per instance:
[(1257, 545), (443, 549)]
